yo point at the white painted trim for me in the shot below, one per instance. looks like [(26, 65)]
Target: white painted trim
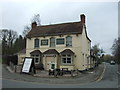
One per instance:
[(67, 63)]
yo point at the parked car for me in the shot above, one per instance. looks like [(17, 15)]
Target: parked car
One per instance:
[(112, 62)]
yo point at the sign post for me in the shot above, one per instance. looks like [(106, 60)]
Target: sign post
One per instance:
[(28, 64)]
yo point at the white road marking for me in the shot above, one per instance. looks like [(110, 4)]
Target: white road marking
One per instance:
[(101, 76)]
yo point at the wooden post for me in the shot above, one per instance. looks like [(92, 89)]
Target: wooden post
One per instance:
[(15, 68), (55, 73), (71, 73), (49, 72), (77, 72)]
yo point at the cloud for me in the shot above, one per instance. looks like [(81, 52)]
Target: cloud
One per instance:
[(101, 18)]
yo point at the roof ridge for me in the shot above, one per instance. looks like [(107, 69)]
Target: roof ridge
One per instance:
[(57, 29), (59, 24)]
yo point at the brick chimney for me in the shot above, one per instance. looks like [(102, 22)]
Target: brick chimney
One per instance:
[(82, 17), (34, 24)]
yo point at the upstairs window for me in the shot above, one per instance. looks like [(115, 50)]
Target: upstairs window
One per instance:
[(36, 43), (44, 42), (52, 42), (68, 41), (60, 41)]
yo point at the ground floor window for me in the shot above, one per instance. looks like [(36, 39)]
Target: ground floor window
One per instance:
[(36, 58), (66, 59)]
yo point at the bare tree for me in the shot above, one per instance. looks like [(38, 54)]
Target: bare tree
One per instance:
[(7, 37), (107, 57), (114, 47), (96, 49), (27, 28), (12, 36), (3, 34), (116, 50), (36, 18), (98, 52)]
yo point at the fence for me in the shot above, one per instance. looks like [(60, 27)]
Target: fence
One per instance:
[(12, 61)]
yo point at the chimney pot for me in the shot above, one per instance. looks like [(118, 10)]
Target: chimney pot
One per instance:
[(82, 17), (34, 24)]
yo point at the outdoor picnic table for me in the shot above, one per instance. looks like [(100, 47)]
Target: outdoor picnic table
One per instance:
[(59, 72)]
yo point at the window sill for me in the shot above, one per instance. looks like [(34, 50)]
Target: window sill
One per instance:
[(69, 46), (52, 46), (44, 45), (36, 47), (67, 64)]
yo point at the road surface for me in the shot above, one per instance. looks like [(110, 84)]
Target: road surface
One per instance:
[(109, 80)]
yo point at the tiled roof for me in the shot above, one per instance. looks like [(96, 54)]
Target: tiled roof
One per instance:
[(51, 51), (35, 52), (56, 29), (67, 51)]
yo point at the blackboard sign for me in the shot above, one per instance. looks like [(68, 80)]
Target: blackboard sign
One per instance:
[(28, 64)]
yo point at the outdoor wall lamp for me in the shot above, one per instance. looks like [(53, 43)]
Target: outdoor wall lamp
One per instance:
[(75, 56)]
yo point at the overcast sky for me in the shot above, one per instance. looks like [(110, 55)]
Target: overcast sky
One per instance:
[(101, 17)]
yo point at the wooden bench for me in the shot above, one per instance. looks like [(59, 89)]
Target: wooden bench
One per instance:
[(66, 71)]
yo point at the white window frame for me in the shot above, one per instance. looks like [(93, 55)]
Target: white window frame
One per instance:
[(47, 42), (60, 44), (52, 42), (68, 41), (34, 57), (66, 56), (35, 43)]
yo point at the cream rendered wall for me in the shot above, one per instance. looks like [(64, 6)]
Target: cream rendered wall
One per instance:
[(76, 47), (79, 46), (29, 46), (86, 44), (75, 44), (21, 57), (47, 60)]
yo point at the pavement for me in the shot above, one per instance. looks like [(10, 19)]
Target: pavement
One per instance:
[(81, 78)]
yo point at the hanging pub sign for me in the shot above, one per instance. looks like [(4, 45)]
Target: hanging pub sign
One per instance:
[(28, 64)]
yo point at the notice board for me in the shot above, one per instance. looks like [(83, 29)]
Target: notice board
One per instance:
[(27, 64)]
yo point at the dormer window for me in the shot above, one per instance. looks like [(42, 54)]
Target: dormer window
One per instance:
[(36, 43), (68, 41)]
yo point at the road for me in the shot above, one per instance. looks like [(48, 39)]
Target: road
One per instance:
[(109, 80)]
